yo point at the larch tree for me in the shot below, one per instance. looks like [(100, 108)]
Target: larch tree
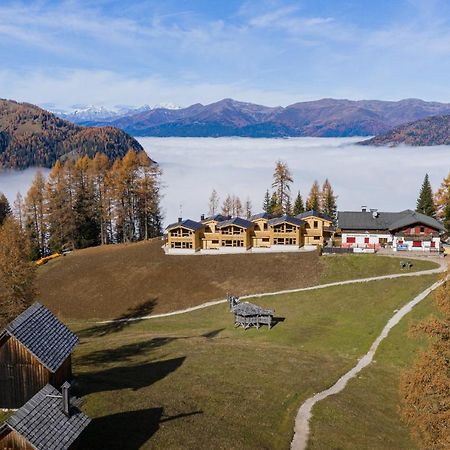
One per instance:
[(282, 180), (17, 272), (19, 211), (36, 224), (227, 206), (274, 206), (5, 208), (214, 200), (313, 201), (328, 200), (425, 388), (288, 207), (299, 207), (425, 202), (442, 202), (237, 209)]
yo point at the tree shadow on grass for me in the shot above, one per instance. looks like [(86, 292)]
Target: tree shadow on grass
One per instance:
[(127, 377), (127, 430), (133, 315)]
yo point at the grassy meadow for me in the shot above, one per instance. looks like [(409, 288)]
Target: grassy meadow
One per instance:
[(193, 381)]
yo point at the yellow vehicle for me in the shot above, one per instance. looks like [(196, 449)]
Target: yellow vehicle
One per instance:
[(46, 259)]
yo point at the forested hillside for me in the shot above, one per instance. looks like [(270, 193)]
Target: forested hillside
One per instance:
[(31, 136)]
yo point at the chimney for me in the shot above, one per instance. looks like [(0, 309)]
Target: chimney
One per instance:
[(363, 208), (65, 389), (202, 217), (180, 219)]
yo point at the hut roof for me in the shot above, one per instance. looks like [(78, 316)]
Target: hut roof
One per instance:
[(46, 337), (188, 223), (286, 219), (238, 221), (42, 422), (250, 309)]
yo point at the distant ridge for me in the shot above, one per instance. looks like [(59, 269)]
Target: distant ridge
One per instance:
[(321, 118), (31, 136), (425, 132)]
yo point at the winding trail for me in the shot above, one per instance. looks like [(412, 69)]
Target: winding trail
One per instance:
[(302, 426), (442, 268)]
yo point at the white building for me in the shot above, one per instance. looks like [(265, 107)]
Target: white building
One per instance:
[(406, 230)]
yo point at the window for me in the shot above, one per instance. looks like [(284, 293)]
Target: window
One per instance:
[(366, 240), (316, 224), (215, 241), (422, 229), (417, 244), (317, 238), (351, 240)]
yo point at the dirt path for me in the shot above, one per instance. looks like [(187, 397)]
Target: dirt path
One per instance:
[(442, 268), (302, 429)]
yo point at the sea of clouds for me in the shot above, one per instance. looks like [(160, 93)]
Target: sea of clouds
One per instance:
[(378, 177)]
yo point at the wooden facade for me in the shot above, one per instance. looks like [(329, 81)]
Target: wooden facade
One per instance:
[(318, 230), (211, 238), (22, 375), (11, 440), (184, 238)]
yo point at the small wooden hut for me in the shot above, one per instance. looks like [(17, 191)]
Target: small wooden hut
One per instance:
[(35, 349), (49, 420)]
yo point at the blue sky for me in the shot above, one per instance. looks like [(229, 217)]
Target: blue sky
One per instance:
[(273, 52)]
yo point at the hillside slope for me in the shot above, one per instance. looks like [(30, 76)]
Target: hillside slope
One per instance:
[(321, 118), (31, 136), (430, 131)]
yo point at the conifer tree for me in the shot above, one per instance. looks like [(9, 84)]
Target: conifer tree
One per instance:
[(425, 202), (213, 203), (425, 399), (313, 201), (298, 205), (5, 208), (18, 211), (16, 271), (248, 208), (288, 207), (282, 180), (266, 203), (237, 209), (36, 225), (227, 206), (274, 207), (328, 200), (442, 202)]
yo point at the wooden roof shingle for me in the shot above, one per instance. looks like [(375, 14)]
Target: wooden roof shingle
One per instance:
[(46, 337)]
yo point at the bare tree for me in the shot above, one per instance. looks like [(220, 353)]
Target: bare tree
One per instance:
[(213, 203)]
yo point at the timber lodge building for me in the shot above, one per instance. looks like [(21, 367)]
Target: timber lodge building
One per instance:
[(262, 233)]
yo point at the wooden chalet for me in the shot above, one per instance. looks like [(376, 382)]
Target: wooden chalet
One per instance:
[(48, 421), (318, 229), (185, 234), (211, 233), (286, 230), (261, 231), (35, 350), (235, 232)]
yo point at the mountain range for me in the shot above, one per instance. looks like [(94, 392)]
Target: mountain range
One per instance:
[(228, 117), (429, 131), (32, 136)]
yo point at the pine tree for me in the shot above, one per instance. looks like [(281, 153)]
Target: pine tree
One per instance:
[(248, 208), (425, 202), (328, 200), (288, 207), (282, 180), (313, 202), (5, 208), (213, 203), (298, 205), (16, 271), (274, 207), (266, 203)]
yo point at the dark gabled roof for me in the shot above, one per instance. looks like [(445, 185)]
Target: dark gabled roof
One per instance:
[(287, 219), (415, 217), (48, 339), (216, 217), (313, 213), (389, 221), (262, 215), (238, 221), (250, 309), (42, 422), (188, 223)]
